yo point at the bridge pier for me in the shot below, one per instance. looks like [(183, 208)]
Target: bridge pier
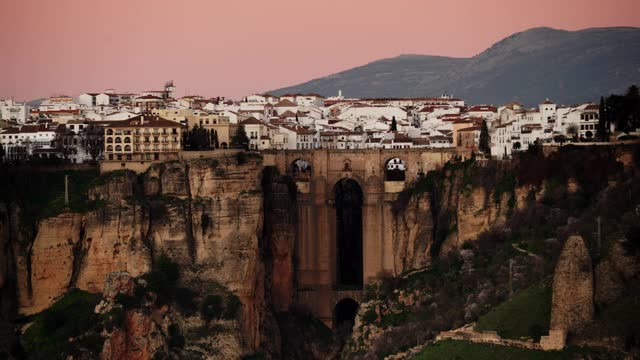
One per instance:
[(317, 279)]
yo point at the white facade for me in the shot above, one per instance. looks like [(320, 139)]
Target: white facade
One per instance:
[(14, 111)]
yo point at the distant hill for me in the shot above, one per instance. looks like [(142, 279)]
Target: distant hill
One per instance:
[(566, 66)]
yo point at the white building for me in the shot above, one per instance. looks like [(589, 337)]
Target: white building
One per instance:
[(14, 111), (19, 143)]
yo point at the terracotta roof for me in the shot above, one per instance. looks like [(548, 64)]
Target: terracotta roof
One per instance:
[(288, 113), (472, 128), (148, 121), (548, 102), (420, 141), (299, 129), (251, 121), (484, 108), (284, 103), (148, 97)]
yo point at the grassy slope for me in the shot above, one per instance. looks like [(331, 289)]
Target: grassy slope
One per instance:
[(449, 349), (526, 315), (71, 317)]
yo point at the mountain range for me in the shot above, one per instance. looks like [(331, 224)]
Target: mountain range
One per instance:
[(566, 66)]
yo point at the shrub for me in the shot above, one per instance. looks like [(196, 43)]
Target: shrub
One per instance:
[(370, 316), (232, 307), (176, 340), (212, 307), (241, 158), (185, 298), (66, 326)]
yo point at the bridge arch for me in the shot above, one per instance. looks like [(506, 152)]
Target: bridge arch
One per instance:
[(301, 169), (349, 199), (344, 313), (395, 169)]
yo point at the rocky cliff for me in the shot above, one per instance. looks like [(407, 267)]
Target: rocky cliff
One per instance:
[(206, 215)]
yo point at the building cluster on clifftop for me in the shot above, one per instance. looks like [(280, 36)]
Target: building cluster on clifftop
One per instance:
[(154, 125)]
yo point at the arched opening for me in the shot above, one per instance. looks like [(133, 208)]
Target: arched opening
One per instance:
[(110, 140), (348, 203), (344, 314), (127, 148), (110, 148), (127, 140), (223, 145), (109, 132), (118, 148), (394, 170), (301, 170)]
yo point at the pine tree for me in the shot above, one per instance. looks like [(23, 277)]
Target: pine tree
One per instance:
[(483, 145), (215, 141), (240, 138), (601, 130), (394, 124)]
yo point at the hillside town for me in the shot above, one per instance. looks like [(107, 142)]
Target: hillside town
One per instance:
[(155, 125)]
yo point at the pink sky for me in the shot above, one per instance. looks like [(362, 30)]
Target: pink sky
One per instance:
[(234, 48)]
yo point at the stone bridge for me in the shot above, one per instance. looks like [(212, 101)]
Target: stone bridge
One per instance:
[(344, 202)]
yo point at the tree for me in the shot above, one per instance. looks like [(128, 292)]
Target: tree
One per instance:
[(240, 138), (394, 124), (483, 144), (2, 153), (602, 132), (93, 140), (588, 135), (632, 108), (624, 110), (572, 131), (64, 142), (214, 139), (517, 145)]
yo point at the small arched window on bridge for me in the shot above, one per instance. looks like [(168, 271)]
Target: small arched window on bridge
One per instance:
[(301, 170), (347, 166), (395, 170)]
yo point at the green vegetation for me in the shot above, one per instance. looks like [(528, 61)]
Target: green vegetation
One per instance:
[(68, 327), (241, 158), (219, 307), (484, 142), (526, 315), (40, 194), (240, 139), (458, 350)]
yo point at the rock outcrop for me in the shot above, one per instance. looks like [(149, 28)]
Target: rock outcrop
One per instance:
[(572, 300), (206, 216)]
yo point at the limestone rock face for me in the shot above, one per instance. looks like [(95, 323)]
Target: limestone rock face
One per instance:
[(140, 338), (117, 283), (613, 273), (414, 233), (279, 238), (115, 189), (212, 233), (572, 299), (52, 260), (113, 240)]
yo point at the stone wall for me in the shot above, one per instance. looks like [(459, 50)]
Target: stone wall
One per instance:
[(572, 300)]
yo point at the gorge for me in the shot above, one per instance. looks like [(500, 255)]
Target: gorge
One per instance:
[(264, 255)]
